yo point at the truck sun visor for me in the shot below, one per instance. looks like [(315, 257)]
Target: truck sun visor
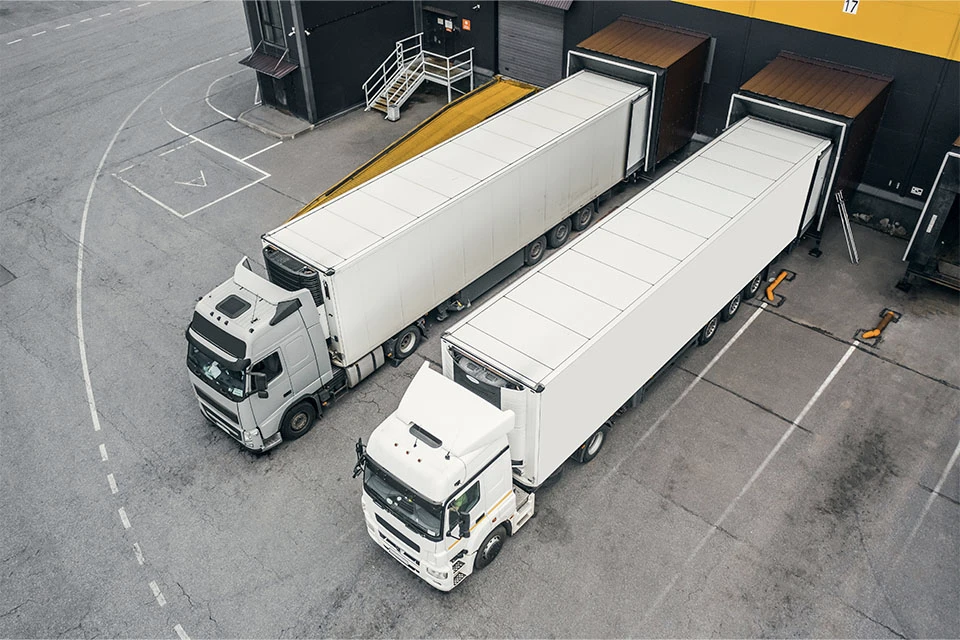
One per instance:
[(214, 334)]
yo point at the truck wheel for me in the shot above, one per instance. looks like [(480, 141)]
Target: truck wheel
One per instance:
[(490, 548), (582, 219), (298, 421), (709, 330), (406, 342), (732, 307), (750, 291), (559, 234), (534, 251), (589, 449)]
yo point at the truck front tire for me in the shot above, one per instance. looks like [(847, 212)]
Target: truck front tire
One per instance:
[(298, 421), (490, 548)]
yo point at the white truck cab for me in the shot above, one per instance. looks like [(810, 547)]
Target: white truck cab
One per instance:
[(448, 501)]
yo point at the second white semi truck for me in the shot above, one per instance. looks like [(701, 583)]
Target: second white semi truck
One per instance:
[(351, 282), (533, 377)]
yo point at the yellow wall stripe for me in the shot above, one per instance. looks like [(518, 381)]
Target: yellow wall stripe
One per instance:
[(931, 27)]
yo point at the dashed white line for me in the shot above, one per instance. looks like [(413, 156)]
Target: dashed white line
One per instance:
[(126, 168), (124, 519), (86, 20), (138, 553), (113, 483), (38, 33), (143, 4), (104, 15), (157, 594), (175, 149), (15, 41), (63, 26), (180, 632), (103, 453), (124, 9), (753, 478)]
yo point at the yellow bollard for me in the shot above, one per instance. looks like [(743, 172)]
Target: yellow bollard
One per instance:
[(874, 333), (773, 285)]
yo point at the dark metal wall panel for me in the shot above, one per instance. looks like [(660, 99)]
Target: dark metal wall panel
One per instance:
[(530, 42), (482, 35), (682, 92)]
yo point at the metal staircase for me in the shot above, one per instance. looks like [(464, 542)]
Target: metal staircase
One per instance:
[(404, 70)]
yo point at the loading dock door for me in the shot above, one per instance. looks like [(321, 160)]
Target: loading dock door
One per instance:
[(530, 42)]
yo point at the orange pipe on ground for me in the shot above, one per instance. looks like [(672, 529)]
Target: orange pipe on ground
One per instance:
[(874, 333), (773, 285)]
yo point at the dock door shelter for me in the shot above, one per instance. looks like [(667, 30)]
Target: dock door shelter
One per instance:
[(530, 40)]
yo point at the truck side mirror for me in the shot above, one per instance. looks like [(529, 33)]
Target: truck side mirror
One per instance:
[(464, 525), (258, 382)]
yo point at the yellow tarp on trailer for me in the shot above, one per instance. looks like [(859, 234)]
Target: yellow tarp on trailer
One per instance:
[(451, 119)]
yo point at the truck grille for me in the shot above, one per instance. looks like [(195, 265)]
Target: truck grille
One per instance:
[(286, 271)]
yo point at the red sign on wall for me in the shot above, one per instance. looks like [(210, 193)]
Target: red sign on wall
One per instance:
[(466, 25)]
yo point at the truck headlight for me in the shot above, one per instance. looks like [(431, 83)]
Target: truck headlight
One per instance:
[(439, 575), (250, 436)]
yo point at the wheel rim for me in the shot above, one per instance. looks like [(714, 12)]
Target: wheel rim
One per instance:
[(492, 548), (734, 305), (595, 443), (711, 328), (561, 234), (407, 341), (535, 250), (299, 421), (584, 218), (755, 284)]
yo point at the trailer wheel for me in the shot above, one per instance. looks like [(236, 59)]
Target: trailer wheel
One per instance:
[(732, 307), (750, 291), (490, 548), (534, 251), (298, 421), (406, 342), (709, 330), (589, 449), (582, 219), (559, 234)]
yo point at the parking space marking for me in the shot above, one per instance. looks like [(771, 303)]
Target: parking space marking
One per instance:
[(113, 483), (157, 593), (103, 453), (15, 41), (86, 20), (124, 519), (933, 496), (753, 478), (148, 196), (39, 33), (63, 26), (186, 144), (138, 553), (180, 632), (256, 153)]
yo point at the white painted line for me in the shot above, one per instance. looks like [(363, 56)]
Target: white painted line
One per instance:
[(235, 53), (143, 4), (138, 553), (15, 41), (206, 98), (933, 496), (686, 391), (156, 594), (180, 632), (148, 197), (126, 168), (218, 150), (124, 519), (262, 150), (753, 478), (256, 96), (113, 483), (103, 453), (38, 33), (196, 182), (63, 26), (104, 15), (86, 20), (124, 9), (232, 193), (186, 144)]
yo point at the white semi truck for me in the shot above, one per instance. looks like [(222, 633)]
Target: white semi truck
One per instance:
[(534, 376), (351, 282)]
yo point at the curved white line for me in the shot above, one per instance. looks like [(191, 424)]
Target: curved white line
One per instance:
[(206, 98), (91, 400)]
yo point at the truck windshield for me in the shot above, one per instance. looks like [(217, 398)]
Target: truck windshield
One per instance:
[(390, 494), (228, 383)]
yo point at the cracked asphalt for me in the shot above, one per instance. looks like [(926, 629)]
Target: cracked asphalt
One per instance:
[(709, 512)]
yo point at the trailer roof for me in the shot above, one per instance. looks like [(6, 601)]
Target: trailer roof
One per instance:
[(342, 228), (538, 323), (818, 84), (657, 45)]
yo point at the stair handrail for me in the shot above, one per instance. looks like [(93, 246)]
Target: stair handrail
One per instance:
[(397, 62), (396, 93), (446, 70)]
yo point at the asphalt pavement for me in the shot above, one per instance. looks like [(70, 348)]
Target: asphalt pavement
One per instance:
[(788, 479)]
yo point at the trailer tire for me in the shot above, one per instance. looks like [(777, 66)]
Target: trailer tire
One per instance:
[(582, 219), (750, 291), (708, 331), (490, 548), (589, 449), (298, 421), (534, 251), (732, 307), (559, 234), (406, 342)]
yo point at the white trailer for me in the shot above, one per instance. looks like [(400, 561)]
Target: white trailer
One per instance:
[(430, 234), (559, 352)]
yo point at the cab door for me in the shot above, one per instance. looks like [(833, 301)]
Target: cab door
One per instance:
[(267, 410)]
